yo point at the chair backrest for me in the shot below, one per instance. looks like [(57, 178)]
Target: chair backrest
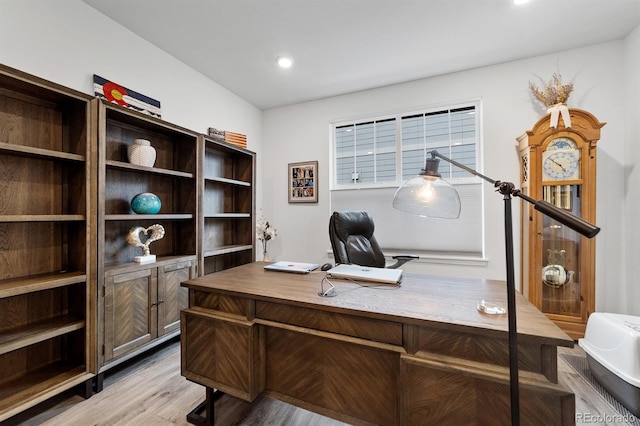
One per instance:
[(352, 239)]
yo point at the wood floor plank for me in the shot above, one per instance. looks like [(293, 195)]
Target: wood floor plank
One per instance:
[(151, 391)]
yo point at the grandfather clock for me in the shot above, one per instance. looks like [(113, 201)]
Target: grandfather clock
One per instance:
[(558, 164)]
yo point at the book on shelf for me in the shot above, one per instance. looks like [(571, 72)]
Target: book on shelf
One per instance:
[(233, 138)]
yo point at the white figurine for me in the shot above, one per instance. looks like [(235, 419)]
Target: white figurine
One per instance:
[(133, 238)]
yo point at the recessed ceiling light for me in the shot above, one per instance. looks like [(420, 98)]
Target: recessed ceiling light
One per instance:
[(284, 62), (520, 1)]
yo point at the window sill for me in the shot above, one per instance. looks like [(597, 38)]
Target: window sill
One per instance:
[(442, 258), (436, 258)]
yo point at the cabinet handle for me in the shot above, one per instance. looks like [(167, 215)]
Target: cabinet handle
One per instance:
[(160, 301), (153, 304)]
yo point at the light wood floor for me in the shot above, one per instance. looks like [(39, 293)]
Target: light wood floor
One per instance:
[(151, 391)]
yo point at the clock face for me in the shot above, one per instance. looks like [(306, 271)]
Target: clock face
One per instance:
[(561, 164)]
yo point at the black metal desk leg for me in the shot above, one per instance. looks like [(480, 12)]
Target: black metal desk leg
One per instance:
[(203, 414)]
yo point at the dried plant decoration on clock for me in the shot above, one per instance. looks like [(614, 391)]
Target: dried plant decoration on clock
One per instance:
[(552, 92), (554, 96)]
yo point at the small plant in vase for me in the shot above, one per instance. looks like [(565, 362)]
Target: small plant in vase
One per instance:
[(264, 233)]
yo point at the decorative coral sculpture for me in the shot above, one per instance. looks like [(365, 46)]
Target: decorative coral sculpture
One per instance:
[(133, 239), (553, 93)]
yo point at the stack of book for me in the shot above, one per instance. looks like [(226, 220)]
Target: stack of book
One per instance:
[(216, 135), (236, 139), (229, 137)]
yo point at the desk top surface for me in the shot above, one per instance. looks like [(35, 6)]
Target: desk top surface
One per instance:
[(419, 299)]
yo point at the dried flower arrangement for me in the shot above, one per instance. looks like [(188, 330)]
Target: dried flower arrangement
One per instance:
[(553, 93), (264, 233)]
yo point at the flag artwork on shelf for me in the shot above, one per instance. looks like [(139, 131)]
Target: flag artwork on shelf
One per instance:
[(116, 93)]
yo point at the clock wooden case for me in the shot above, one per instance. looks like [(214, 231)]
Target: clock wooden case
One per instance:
[(558, 165)]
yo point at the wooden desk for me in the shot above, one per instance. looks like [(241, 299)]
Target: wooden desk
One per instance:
[(420, 353)]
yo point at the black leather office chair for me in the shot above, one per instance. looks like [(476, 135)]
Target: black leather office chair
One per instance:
[(352, 241)]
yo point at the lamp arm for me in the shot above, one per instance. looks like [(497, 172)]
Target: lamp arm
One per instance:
[(506, 188), (435, 153), (564, 217)]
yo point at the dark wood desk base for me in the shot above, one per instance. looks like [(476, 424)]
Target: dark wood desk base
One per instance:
[(359, 359)]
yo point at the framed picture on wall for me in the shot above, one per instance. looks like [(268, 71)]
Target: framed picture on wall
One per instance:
[(303, 182)]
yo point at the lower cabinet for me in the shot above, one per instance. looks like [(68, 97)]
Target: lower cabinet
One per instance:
[(141, 306)]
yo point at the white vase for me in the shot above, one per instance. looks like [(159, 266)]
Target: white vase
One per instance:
[(141, 153)]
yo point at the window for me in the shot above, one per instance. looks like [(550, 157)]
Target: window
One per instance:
[(373, 156), (451, 132), (366, 152)]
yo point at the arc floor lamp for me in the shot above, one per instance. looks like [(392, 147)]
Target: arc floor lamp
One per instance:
[(429, 195)]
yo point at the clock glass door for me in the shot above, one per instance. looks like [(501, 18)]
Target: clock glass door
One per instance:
[(560, 275)]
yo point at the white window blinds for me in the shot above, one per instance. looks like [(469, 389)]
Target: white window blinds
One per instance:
[(366, 152)]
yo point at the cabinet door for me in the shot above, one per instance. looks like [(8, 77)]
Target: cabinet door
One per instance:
[(172, 297), (130, 311)]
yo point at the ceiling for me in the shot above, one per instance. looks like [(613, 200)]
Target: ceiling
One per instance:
[(344, 46)]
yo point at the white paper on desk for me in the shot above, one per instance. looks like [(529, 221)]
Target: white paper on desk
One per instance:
[(295, 267)]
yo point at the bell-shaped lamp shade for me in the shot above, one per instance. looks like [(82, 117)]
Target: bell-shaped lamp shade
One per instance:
[(428, 195)]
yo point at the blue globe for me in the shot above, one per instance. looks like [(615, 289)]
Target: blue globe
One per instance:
[(146, 203)]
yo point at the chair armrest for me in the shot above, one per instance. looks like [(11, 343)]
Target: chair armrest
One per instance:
[(401, 260)]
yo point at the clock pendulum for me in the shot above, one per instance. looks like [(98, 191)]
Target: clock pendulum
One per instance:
[(554, 274)]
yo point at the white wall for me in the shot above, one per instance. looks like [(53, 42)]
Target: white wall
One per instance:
[(301, 133), (67, 41), (627, 296)]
